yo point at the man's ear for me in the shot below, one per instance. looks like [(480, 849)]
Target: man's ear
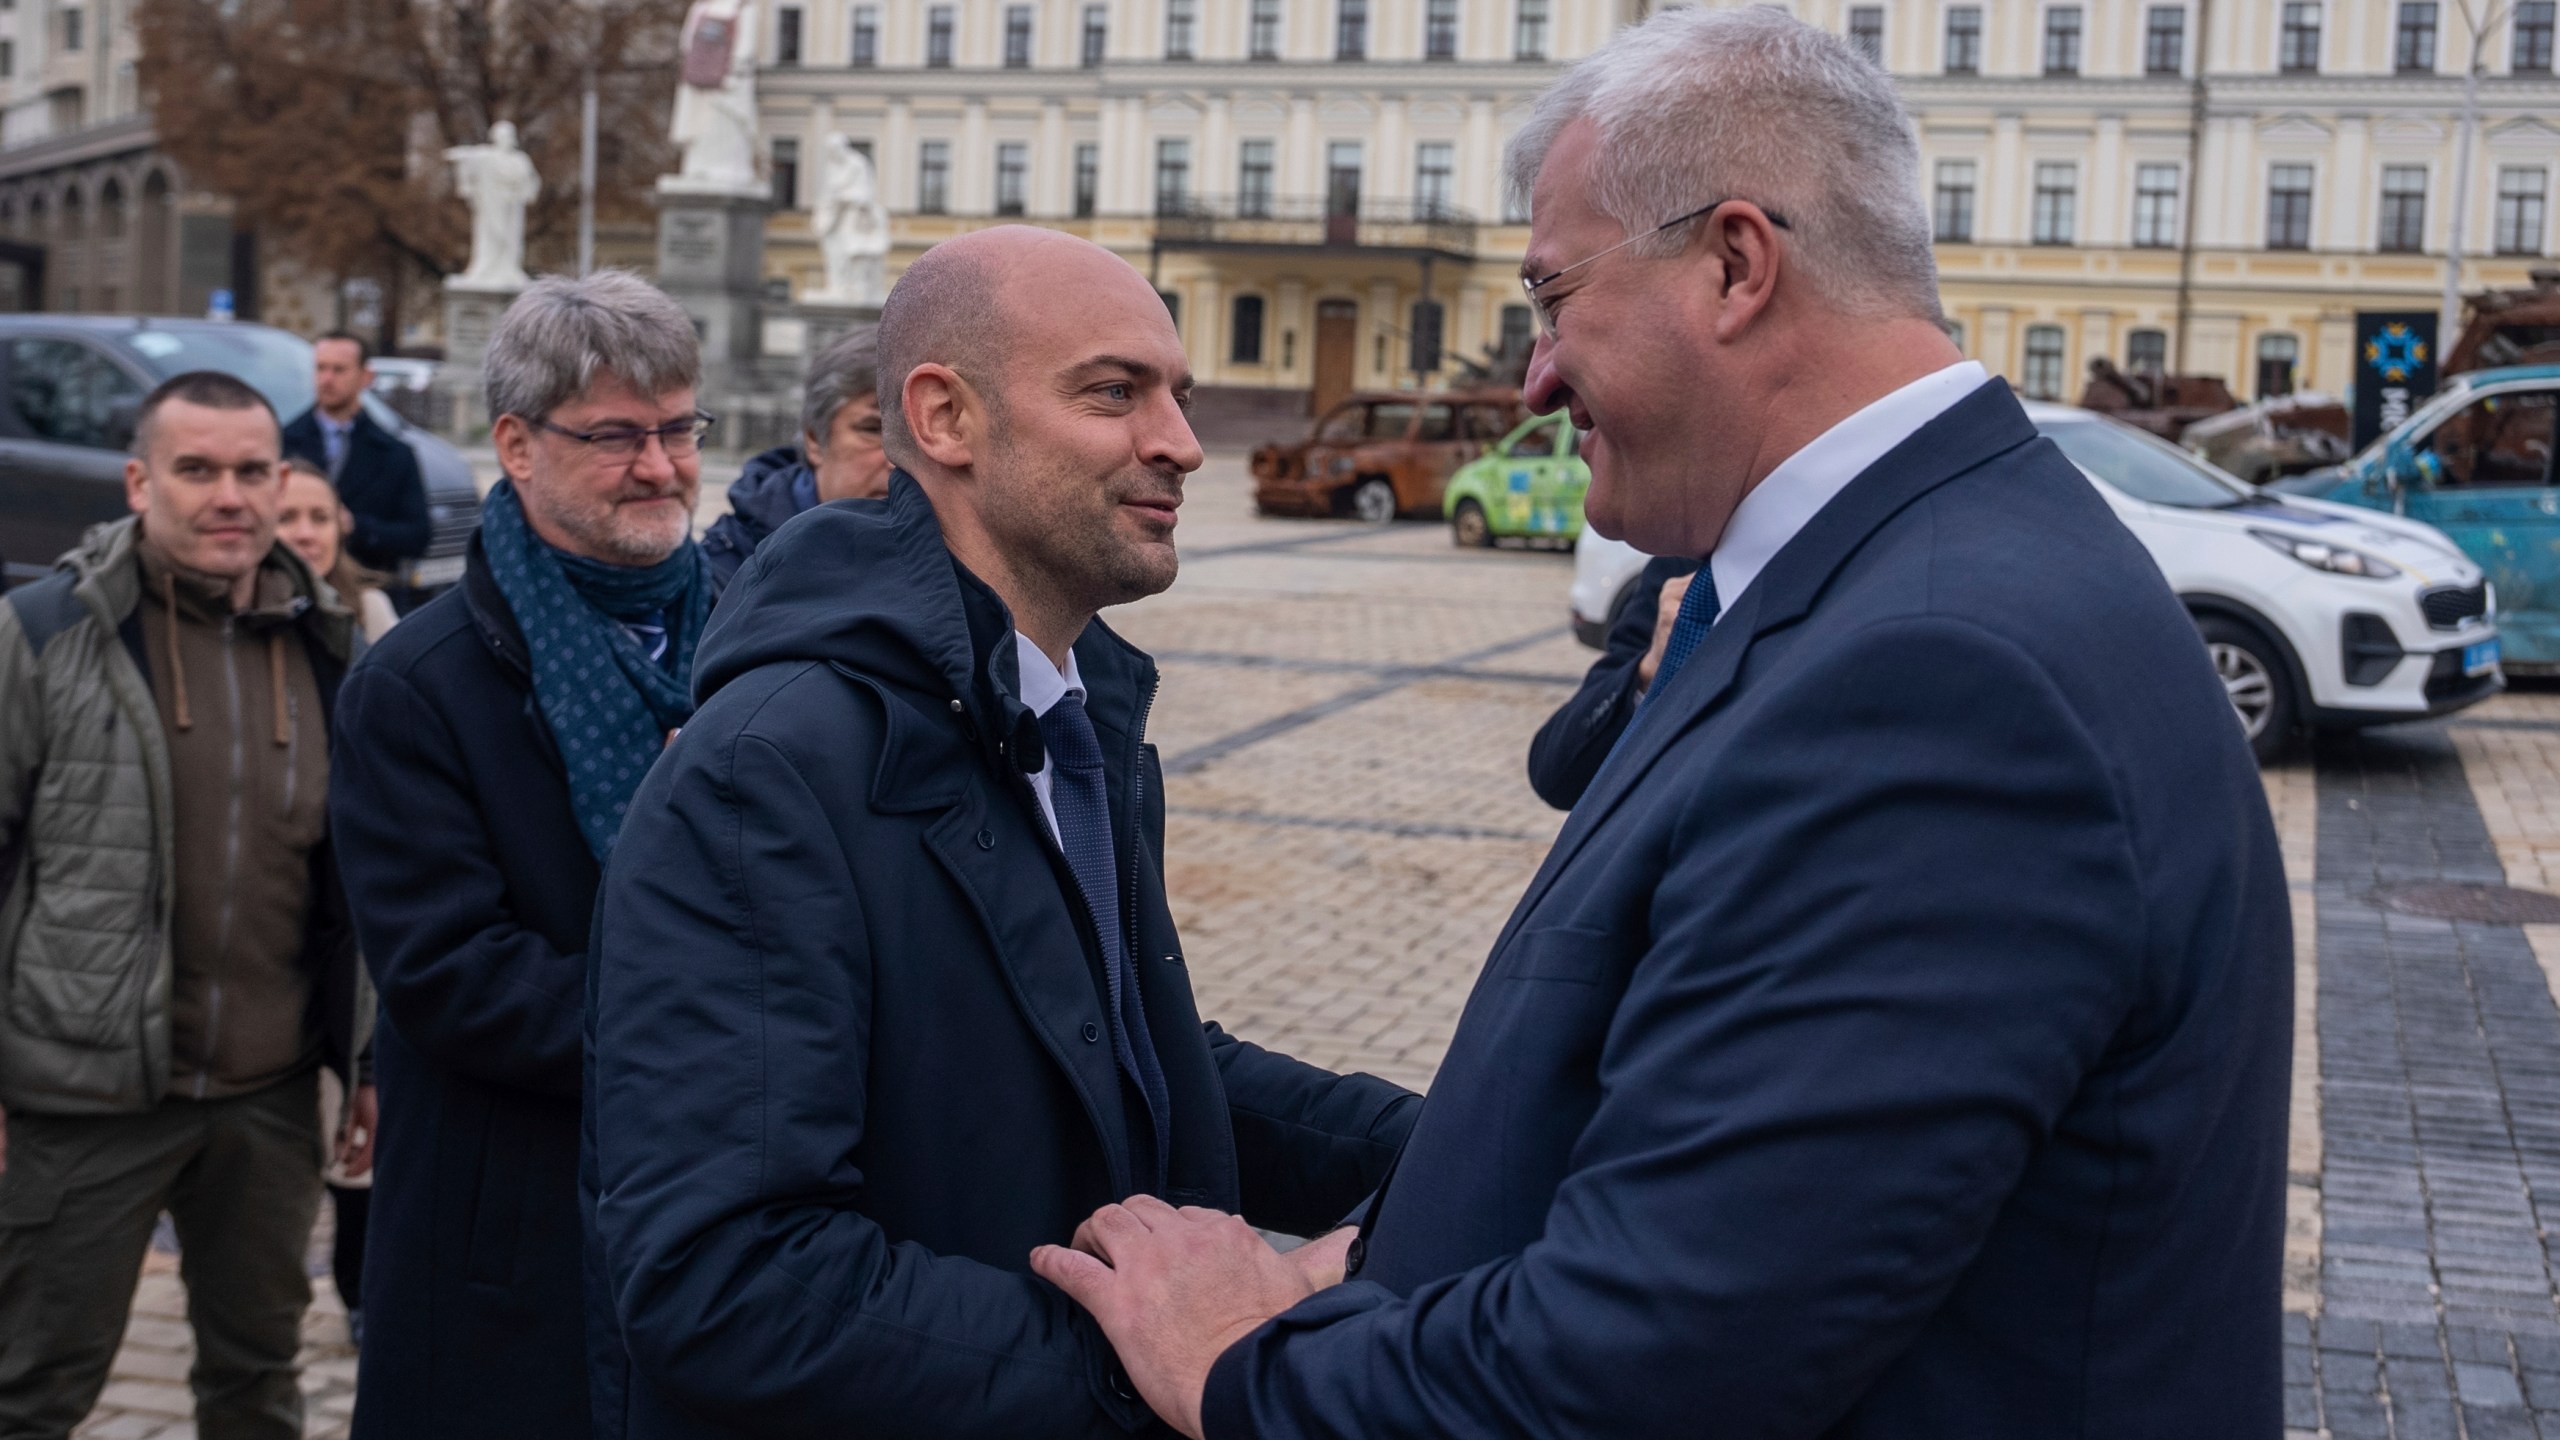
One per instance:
[(513, 440), (136, 478), (942, 414), (1740, 237)]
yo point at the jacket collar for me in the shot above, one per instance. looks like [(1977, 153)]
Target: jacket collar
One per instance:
[(1981, 427), (110, 585)]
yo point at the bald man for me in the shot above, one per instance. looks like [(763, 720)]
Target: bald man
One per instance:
[(885, 991)]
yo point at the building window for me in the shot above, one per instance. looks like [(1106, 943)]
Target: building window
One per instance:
[(1253, 179), (2155, 206), (1866, 32), (1351, 30), (1017, 37), (2298, 44), (2520, 200), (1964, 39), (937, 37), (1244, 331), (1434, 165), (1097, 28), (785, 156), (2289, 207), (1515, 205), (1342, 178), (1263, 42), (2146, 351), (2057, 197), (866, 36), (1951, 209), (2043, 377), (2278, 353), (1173, 176), (1172, 308), (1088, 179), (933, 178), (71, 20), (1013, 163), (1181, 19), (1440, 30), (786, 36), (1529, 31), (2062, 40), (2413, 40), (2164, 40), (2404, 208), (2531, 52), (8, 58)]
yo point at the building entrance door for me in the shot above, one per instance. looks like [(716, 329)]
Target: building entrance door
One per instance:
[(1337, 350)]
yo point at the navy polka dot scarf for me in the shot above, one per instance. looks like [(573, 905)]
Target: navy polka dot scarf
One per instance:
[(608, 703)]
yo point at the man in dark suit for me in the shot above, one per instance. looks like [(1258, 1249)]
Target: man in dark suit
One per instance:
[(375, 471), (1567, 750), (1894, 1043), (885, 989)]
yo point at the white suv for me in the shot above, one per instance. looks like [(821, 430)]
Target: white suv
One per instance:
[(2316, 614)]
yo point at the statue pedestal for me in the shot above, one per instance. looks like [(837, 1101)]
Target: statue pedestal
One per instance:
[(470, 313), (825, 321), (711, 259)]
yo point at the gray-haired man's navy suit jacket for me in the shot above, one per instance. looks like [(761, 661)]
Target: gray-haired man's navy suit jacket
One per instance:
[(1895, 1043)]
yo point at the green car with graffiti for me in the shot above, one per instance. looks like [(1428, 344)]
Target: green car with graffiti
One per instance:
[(1527, 486)]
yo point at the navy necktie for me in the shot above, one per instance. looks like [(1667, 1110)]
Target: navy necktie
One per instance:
[(1082, 801), (1698, 611)]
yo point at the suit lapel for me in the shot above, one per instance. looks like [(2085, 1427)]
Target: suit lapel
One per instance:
[(1981, 427)]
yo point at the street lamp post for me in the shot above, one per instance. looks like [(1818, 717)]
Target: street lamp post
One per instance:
[(2449, 313)]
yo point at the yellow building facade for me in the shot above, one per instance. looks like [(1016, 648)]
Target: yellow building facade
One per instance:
[(1297, 175)]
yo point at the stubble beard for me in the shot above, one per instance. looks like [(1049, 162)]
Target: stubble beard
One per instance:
[(603, 528), (1055, 527)]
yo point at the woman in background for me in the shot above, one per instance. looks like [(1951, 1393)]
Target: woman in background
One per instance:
[(316, 525)]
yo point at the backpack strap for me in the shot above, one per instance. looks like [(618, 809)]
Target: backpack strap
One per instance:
[(47, 607)]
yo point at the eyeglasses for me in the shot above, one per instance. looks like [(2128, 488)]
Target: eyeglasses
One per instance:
[(678, 438), (1546, 317)]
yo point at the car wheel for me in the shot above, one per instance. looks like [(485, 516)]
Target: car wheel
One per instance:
[(1374, 500), (2257, 680), (1469, 529)]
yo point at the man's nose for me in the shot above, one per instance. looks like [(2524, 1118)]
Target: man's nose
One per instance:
[(1542, 389), (1171, 445), (653, 464)]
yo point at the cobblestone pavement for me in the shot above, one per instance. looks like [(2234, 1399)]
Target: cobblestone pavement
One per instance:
[(1343, 722)]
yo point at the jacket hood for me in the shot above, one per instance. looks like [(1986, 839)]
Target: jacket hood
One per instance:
[(867, 584), (761, 495)]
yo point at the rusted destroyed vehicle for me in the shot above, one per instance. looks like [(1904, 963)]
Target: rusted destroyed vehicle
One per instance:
[(1378, 456), (2509, 327), (2165, 405), (2279, 436)]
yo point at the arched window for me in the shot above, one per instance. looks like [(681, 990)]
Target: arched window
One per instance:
[(111, 210), (1244, 332)]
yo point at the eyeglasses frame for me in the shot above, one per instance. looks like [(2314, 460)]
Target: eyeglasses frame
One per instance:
[(1538, 308)]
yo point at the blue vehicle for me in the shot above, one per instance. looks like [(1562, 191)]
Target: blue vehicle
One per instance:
[(2479, 462)]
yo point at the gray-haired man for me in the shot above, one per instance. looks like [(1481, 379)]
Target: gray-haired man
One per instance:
[(485, 752), (838, 457)]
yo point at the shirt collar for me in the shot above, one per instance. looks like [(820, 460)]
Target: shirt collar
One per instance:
[(1044, 684), (1791, 495)]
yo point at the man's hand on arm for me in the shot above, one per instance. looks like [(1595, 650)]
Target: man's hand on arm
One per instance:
[(356, 1131), (1172, 1289), (1663, 617)]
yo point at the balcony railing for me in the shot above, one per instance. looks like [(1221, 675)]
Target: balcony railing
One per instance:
[(1314, 224)]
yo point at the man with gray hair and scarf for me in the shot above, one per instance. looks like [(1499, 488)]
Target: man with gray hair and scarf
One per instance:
[(486, 751), (1894, 1043), (838, 456)]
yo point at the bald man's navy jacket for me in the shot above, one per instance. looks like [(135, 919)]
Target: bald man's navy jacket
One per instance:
[(1895, 1043)]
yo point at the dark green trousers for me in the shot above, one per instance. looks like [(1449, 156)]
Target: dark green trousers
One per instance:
[(241, 1179)]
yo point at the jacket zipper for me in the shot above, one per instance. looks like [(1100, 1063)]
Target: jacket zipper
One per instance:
[(230, 864)]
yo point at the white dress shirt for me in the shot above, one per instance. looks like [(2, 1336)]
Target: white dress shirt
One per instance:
[(1043, 686), (1804, 482)]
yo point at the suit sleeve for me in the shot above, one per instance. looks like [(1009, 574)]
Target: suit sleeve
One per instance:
[(462, 980), (1310, 1144), (397, 522), (1568, 750), (732, 977), (1884, 951)]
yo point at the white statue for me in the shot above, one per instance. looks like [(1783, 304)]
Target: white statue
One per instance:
[(497, 181), (715, 119), (852, 226)]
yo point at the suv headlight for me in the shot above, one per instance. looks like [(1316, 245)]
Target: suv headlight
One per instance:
[(2321, 555)]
